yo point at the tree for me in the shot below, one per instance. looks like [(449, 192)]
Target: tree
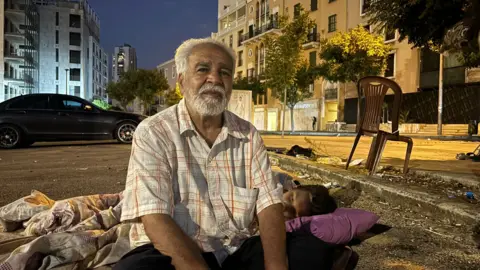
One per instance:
[(142, 84), (147, 85), (173, 96), (121, 92), (284, 58), (453, 25), (349, 56), (253, 84)]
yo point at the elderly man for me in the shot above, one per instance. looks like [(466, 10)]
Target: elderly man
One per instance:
[(199, 180)]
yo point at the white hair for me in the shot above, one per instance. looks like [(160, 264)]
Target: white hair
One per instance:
[(185, 49)]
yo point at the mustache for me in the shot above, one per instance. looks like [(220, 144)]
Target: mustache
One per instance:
[(212, 88)]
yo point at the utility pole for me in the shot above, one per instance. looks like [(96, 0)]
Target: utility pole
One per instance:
[(440, 96), (66, 81)]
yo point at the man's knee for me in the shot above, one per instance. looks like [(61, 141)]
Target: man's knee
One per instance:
[(144, 257)]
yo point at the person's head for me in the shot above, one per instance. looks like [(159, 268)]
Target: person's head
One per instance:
[(308, 201), (205, 69)]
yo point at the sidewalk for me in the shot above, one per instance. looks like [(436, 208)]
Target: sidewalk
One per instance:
[(432, 156)]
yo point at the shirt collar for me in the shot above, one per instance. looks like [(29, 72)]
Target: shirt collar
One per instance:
[(230, 122)]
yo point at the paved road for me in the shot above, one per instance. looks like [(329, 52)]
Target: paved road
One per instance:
[(428, 155), (76, 169)]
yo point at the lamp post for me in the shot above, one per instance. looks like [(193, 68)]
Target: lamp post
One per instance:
[(66, 81)]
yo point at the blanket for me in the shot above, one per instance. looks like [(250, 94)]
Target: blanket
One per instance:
[(77, 233)]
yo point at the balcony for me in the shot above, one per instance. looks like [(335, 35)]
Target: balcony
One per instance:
[(15, 37), (331, 94), (230, 9), (313, 41), (15, 12), (19, 79), (240, 22), (272, 26)]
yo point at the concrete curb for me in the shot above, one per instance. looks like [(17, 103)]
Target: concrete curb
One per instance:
[(436, 205), (475, 138)]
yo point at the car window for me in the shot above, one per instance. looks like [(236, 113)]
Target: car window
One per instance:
[(72, 105), (31, 103)]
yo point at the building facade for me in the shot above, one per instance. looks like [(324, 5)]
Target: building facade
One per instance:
[(19, 61), (124, 59), (69, 32), (242, 24), (169, 70)]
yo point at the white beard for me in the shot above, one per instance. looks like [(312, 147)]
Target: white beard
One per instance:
[(208, 105)]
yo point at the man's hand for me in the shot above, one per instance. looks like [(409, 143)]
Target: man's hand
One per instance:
[(170, 240), (273, 235)]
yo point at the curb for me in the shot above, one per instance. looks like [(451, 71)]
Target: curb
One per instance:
[(474, 138), (435, 204)]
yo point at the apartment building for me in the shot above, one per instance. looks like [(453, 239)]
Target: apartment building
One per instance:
[(20, 37), (71, 58), (124, 59), (169, 70), (412, 69)]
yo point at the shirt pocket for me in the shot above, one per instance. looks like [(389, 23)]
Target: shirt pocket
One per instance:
[(241, 204)]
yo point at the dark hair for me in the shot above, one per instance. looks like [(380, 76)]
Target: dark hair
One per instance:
[(322, 202)]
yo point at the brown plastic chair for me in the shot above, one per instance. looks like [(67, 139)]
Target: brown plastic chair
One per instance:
[(374, 89)]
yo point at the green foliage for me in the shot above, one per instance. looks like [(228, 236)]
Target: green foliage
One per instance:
[(425, 22), (300, 89), (142, 84), (284, 56), (404, 117), (349, 56), (173, 96), (101, 104), (254, 85)]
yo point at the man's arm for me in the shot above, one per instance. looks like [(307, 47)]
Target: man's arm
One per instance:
[(148, 195), (269, 209), (170, 240), (273, 235)]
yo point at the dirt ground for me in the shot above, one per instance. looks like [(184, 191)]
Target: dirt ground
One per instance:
[(427, 155), (412, 241)]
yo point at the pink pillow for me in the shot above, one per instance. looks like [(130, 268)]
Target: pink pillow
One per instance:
[(339, 227)]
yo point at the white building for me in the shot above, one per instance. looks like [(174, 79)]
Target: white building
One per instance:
[(69, 34), (19, 40), (124, 59)]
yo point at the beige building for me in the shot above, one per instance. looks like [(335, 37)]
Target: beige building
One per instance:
[(242, 24)]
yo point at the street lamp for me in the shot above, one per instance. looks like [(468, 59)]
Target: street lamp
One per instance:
[(66, 81)]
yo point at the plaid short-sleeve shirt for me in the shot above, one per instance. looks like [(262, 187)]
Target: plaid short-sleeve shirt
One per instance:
[(213, 194)]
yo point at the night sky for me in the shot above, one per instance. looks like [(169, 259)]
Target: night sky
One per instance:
[(154, 27)]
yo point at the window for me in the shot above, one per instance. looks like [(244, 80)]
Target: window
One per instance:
[(174, 72), (56, 73), (75, 74), (31, 102), (240, 58), (364, 5), (231, 41), (71, 105), (240, 37), (56, 89), (75, 39), (367, 27), (296, 11), (313, 58), (330, 1), (390, 71), (390, 34), (75, 57), (314, 5), (56, 37), (166, 72), (56, 55), (57, 19), (75, 21), (332, 23)]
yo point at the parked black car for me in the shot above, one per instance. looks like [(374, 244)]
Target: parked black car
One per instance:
[(53, 117)]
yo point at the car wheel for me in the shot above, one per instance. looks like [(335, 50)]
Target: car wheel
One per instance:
[(124, 132), (10, 136)]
